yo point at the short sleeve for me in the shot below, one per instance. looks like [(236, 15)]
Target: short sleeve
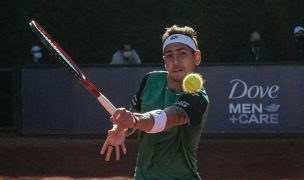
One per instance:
[(194, 105)]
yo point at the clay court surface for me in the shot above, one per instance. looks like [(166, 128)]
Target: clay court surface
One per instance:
[(50, 158)]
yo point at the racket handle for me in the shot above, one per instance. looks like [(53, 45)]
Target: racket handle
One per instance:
[(106, 104)]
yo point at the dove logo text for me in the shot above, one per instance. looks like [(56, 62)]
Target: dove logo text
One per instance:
[(240, 90)]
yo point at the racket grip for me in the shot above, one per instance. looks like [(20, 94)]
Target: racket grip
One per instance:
[(106, 104)]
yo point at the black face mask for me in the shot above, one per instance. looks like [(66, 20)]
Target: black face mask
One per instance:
[(300, 39), (255, 43)]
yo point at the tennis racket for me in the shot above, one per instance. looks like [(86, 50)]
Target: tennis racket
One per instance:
[(69, 64)]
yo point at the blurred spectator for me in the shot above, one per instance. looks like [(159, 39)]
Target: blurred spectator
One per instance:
[(296, 53), (37, 54), (253, 52), (126, 55)]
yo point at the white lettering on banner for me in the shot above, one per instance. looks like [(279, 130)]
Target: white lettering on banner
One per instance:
[(255, 119), (245, 108), (252, 91), (253, 113)]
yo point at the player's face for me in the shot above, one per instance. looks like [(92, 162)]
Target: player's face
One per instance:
[(179, 60)]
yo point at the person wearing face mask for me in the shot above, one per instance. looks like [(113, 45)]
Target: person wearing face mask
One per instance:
[(296, 52), (299, 36), (37, 54), (126, 55), (253, 52)]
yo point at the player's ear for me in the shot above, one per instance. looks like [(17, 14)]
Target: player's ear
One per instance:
[(165, 64), (197, 57)]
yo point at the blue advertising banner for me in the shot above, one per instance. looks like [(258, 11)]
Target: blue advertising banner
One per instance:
[(243, 99), (255, 99)]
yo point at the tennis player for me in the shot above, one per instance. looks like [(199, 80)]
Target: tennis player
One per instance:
[(169, 122)]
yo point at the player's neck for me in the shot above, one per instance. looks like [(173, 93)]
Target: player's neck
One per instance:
[(175, 86)]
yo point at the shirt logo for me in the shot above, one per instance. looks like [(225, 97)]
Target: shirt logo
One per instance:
[(183, 104)]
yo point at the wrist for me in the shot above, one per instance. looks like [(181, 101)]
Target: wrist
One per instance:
[(160, 121), (135, 121)]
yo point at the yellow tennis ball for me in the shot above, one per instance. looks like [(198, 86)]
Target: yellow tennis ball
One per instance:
[(192, 82)]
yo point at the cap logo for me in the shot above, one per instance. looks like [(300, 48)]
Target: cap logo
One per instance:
[(173, 37)]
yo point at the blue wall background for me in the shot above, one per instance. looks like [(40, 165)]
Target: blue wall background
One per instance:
[(266, 99)]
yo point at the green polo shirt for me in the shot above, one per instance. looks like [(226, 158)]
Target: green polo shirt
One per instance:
[(170, 154)]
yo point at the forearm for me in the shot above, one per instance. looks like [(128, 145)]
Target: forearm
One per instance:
[(174, 117), (144, 122)]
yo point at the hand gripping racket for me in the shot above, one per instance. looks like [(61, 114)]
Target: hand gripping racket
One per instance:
[(69, 64)]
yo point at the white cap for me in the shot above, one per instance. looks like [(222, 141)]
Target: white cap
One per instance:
[(297, 29), (35, 48), (180, 38)]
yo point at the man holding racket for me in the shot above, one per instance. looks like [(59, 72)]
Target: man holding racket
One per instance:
[(169, 122)]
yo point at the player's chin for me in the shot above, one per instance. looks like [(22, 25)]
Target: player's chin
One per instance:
[(179, 75)]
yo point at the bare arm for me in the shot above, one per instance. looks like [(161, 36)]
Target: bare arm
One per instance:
[(189, 109), (175, 117), (145, 122)]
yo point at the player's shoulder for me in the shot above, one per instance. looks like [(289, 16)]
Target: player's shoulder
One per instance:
[(154, 78), (194, 104), (202, 93), (199, 96), (158, 75)]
